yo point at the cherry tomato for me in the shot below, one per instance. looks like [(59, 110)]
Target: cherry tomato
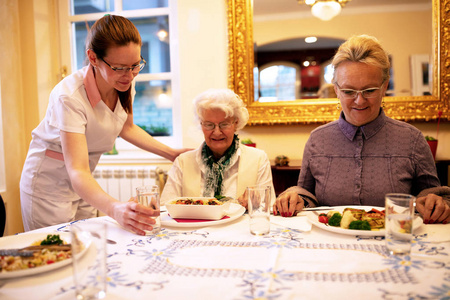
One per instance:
[(323, 218)]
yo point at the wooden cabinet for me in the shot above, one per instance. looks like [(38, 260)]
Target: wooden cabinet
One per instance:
[(442, 171), (285, 177)]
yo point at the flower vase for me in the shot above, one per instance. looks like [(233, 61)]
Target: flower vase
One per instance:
[(433, 147)]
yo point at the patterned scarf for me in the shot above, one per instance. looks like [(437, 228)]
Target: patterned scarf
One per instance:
[(215, 169)]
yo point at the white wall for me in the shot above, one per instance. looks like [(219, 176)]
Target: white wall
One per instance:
[(203, 48)]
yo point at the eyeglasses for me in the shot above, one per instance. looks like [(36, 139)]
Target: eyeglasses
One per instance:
[(222, 126), (366, 94), (134, 69)]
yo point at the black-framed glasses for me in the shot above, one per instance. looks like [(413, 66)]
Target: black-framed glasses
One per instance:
[(351, 94), (123, 70), (222, 125)]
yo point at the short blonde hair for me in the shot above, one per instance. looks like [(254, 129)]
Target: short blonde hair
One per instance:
[(225, 100), (365, 49)]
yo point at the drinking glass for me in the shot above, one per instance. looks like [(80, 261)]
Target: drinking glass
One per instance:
[(259, 209), (399, 223), (88, 243), (148, 195)]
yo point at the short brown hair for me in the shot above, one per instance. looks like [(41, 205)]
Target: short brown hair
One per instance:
[(113, 31)]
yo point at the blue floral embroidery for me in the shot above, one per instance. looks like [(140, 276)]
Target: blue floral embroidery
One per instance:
[(365, 238), (255, 284), (277, 276), (442, 292), (153, 254), (286, 233), (112, 279), (275, 243), (404, 262), (164, 234)]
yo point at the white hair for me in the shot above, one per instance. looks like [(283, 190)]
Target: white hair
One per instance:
[(225, 100)]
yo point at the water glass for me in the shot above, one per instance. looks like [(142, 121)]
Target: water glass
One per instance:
[(148, 195), (88, 243), (399, 223), (259, 209)]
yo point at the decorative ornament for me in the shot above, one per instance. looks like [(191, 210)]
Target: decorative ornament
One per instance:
[(282, 160)]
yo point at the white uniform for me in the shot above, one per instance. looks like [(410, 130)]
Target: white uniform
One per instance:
[(75, 105)]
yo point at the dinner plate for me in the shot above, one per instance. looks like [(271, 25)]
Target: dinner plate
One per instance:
[(234, 212), (314, 219), (24, 240)]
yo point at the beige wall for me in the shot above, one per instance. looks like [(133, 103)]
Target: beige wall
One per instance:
[(13, 116), (29, 69)]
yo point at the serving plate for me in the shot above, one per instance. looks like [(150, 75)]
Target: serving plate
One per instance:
[(314, 219), (234, 211), (190, 211), (24, 240)]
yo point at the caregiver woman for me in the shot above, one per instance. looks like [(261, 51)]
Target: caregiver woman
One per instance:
[(86, 112)]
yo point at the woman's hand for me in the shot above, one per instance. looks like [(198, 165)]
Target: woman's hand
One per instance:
[(288, 204), (135, 217), (433, 209), (243, 199), (177, 152)]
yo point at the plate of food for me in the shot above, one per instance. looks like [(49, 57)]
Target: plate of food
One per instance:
[(202, 208), (42, 260), (182, 212), (353, 220)]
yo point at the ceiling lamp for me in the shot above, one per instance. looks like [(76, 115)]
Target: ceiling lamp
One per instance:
[(325, 9)]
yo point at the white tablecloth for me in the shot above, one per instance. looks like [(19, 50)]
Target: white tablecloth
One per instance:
[(294, 261)]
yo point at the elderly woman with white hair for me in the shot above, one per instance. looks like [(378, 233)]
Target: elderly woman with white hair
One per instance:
[(221, 165)]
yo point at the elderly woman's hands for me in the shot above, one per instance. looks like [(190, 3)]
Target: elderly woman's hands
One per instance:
[(134, 217), (433, 209), (243, 199), (288, 204)]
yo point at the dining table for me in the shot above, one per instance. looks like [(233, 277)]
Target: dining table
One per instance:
[(298, 259)]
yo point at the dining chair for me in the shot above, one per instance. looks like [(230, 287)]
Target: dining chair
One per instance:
[(2, 216), (161, 178)]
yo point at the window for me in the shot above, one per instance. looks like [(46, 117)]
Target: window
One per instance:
[(157, 84), (278, 80)]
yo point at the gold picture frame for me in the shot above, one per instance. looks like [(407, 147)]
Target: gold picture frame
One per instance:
[(411, 108)]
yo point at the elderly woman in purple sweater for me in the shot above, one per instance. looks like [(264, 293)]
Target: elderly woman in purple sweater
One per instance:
[(364, 155)]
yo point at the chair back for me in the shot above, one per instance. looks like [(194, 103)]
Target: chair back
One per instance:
[(2, 216)]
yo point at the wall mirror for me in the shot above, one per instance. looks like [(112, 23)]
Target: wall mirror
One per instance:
[(306, 111)]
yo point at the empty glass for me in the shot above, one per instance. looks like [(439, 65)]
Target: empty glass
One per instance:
[(89, 260), (259, 209)]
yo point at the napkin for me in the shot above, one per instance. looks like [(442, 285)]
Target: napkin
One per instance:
[(297, 222), (435, 233)]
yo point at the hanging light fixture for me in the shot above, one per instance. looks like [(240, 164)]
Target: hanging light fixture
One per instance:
[(325, 9)]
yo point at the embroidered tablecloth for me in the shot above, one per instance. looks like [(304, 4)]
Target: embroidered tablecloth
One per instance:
[(227, 262)]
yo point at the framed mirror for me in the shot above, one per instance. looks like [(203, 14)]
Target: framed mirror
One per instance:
[(307, 111)]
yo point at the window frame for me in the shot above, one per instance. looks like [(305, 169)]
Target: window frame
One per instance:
[(289, 64), (129, 153)]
